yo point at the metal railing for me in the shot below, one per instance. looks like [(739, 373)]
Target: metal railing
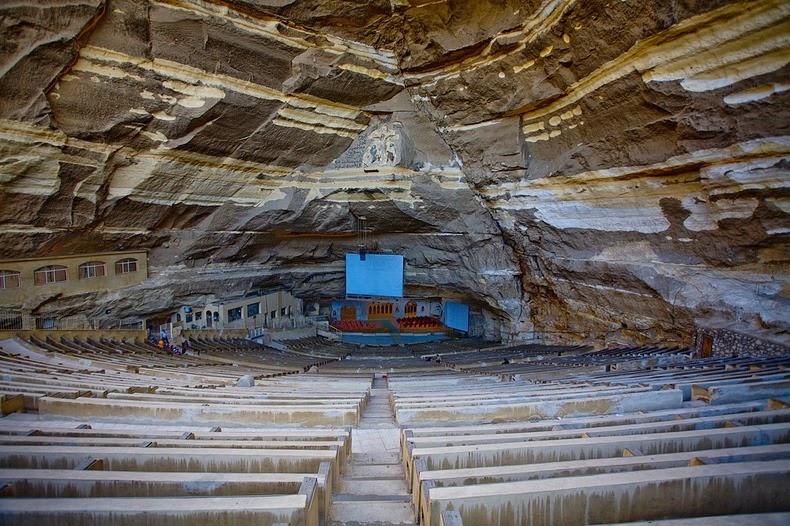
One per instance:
[(257, 326), (12, 322)]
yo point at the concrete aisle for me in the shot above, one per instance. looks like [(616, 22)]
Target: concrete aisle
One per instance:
[(372, 489)]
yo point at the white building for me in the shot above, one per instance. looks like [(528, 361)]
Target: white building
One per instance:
[(265, 308)]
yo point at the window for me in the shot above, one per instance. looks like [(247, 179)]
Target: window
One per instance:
[(188, 318), (274, 314), (198, 315), (253, 309), (282, 311), (126, 266), (9, 279), (50, 274), (234, 314), (92, 269)]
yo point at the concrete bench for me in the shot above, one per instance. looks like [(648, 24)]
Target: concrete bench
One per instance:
[(583, 405), (515, 396), (580, 422), (507, 390), (502, 430), (97, 382), (295, 510), (192, 443), (743, 378), (240, 399), (269, 437), (270, 392), (725, 394), (32, 393), (753, 519), (55, 483), (559, 432), (576, 468), (214, 460), (510, 453), (11, 403), (750, 487), (313, 415)]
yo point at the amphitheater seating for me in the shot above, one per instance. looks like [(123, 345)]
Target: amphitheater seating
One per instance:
[(568, 452), (278, 358), (319, 347), (489, 434), (198, 433), (419, 323), (386, 359), (287, 479), (538, 359)]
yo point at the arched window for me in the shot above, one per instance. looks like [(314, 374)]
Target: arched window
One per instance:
[(9, 279), (50, 274), (126, 266), (93, 269)]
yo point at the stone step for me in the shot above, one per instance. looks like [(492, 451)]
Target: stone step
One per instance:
[(373, 487), (380, 512), (375, 458), (372, 490), (369, 498), (376, 425), (374, 471)]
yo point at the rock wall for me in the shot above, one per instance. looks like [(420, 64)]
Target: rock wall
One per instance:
[(563, 166)]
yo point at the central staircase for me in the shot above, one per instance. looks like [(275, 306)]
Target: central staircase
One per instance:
[(372, 489)]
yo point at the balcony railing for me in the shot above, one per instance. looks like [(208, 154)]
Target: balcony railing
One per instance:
[(14, 322)]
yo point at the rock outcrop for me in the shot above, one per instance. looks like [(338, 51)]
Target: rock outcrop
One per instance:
[(615, 168)]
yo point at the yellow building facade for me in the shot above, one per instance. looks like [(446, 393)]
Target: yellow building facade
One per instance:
[(22, 279)]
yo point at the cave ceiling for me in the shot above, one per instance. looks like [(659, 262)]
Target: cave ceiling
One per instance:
[(579, 167)]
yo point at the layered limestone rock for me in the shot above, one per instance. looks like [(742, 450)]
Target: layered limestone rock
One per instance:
[(614, 169)]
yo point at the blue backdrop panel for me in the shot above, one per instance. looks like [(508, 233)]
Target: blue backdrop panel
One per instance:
[(456, 316), (378, 275)]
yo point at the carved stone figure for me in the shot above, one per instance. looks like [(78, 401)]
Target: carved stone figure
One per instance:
[(386, 146)]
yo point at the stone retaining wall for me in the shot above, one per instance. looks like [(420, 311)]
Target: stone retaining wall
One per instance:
[(730, 343)]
